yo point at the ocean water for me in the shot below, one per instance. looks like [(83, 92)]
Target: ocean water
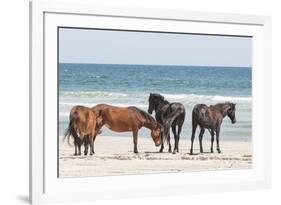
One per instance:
[(130, 85)]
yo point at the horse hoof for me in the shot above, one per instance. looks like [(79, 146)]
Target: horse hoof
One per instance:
[(170, 150), (219, 151), (191, 152), (174, 152)]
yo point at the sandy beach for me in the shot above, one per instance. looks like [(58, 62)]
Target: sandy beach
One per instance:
[(114, 156)]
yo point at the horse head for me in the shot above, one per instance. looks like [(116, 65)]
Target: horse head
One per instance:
[(153, 100), (231, 112), (156, 134)]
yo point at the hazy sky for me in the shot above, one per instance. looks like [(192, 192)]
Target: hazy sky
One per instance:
[(123, 47)]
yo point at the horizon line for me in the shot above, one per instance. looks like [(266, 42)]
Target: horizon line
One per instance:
[(179, 65)]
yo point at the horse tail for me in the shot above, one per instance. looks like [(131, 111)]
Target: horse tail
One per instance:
[(70, 131), (168, 123), (194, 117), (195, 113)]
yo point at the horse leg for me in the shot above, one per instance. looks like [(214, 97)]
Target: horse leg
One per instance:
[(167, 126), (79, 143), (200, 139), (93, 143), (212, 140), (217, 139), (79, 148), (162, 144), (179, 132), (194, 126), (176, 138), (75, 145), (162, 147), (169, 142), (135, 137), (86, 144)]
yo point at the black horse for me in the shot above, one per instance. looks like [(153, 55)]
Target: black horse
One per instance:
[(169, 115), (211, 118)]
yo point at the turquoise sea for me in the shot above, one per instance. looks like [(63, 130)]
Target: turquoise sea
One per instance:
[(130, 85)]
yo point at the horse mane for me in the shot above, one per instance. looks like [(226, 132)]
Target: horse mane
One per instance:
[(147, 116), (221, 106), (166, 102), (160, 97)]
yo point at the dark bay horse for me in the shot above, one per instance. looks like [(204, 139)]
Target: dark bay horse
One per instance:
[(83, 126), (169, 115), (211, 118), (123, 119)]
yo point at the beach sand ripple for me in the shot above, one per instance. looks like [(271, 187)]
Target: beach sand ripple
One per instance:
[(114, 156)]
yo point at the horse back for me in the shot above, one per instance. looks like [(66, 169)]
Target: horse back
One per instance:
[(200, 113), (178, 107), (206, 116), (118, 119)]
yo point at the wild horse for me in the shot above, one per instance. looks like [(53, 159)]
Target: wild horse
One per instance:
[(123, 119), (169, 115), (83, 126), (211, 118)]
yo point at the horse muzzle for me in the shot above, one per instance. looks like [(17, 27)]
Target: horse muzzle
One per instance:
[(157, 144)]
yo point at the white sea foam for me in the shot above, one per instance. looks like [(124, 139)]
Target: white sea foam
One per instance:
[(77, 103), (230, 98), (70, 104), (93, 94), (141, 100), (133, 96), (208, 98), (65, 112)]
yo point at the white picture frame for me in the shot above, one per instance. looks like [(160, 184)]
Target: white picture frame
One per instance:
[(46, 17)]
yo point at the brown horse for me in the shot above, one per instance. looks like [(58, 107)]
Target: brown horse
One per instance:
[(211, 118), (123, 119), (83, 127)]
